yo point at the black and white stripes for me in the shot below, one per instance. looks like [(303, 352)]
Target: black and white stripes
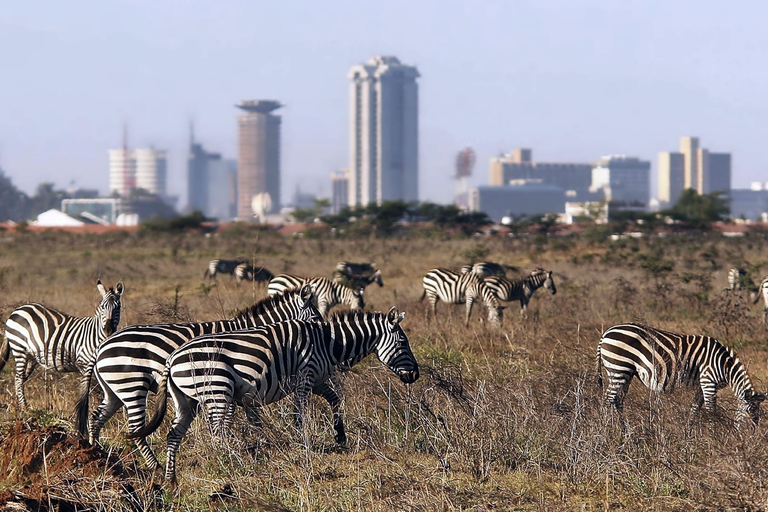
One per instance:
[(762, 291), (661, 359), (39, 335), (222, 267), (327, 293), (521, 289), (454, 288), (128, 364), (257, 367)]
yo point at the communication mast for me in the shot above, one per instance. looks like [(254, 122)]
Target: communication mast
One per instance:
[(465, 162)]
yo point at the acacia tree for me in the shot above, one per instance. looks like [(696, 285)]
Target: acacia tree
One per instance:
[(699, 210)]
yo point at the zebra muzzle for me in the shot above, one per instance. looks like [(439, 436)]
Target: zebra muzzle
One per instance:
[(408, 377)]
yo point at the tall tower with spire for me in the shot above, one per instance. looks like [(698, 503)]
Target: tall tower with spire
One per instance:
[(197, 173)]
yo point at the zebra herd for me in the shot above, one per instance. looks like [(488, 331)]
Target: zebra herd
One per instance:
[(288, 343)]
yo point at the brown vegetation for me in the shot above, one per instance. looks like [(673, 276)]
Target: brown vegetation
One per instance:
[(501, 419)]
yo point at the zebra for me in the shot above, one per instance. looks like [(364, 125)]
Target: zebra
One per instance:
[(129, 363), (762, 291), (484, 269), (39, 335), (453, 288), (247, 272), (222, 267), (736, 278), (521, 289), (661, 359), (214, 373), (327, 292), (357, 275)]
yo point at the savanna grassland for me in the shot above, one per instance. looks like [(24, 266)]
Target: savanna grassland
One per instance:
[(501, 419)]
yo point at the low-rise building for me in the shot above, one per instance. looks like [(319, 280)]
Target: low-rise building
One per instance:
[(520, 198)]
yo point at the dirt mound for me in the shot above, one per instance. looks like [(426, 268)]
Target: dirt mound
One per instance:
[(53, 470)]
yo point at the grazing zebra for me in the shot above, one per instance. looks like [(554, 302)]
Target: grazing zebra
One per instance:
[(453, 288), (521, 289), (357, 275), (222, 267), (260, 366), (762, 291), (327, 293), (662, 359), (737, 279), (247, 272), (129, 364), (485, 269), (39, 335)]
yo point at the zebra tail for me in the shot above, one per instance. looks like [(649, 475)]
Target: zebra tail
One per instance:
[(206, 273), (755, 296), (160, 408), (599, 366), (81, 409), (5, 352), (423, 294)]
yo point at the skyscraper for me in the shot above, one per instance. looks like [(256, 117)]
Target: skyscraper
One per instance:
[(151, 170), (259, 155), (197, 175), (384, 131), (122, 171), (211, 182), (339, 190), (625, 182), (693, 167)]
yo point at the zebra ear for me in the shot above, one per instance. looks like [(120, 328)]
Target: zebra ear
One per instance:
[(120, 288), (306, 293), (400, 317), (100, 287), (392, 315)]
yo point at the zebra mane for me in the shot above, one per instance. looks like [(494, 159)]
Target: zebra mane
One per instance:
[(350, 315), (266, 304)]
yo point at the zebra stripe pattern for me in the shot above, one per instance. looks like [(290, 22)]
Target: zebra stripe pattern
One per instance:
[(736, 276), (484, 269), (661, 359), (39, 335), (453, 288), (247, 272), (762, 291), (327, 293), (129, 364), (222, 267), (357, 275), (521, 289), (261, 366)]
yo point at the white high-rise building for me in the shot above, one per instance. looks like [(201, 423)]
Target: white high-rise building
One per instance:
[(122, 171), (151, 170), (137, 168), (384, 132)]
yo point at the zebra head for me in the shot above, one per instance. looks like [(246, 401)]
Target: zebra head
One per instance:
[(750, 406), (394, 351), (108, 312), (549, 283), (377, 277), (308, 312)]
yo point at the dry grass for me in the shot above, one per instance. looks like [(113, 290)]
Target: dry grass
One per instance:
[(507, 419)]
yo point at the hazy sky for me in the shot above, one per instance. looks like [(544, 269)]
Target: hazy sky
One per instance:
[(573, 80)]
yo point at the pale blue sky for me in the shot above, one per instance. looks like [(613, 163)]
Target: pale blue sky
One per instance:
[(573, 80)]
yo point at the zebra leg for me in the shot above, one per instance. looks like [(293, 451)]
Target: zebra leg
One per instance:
[(523, 307), (325, 391), (618, 385), (25, 365), (251, 404), (107, 408), (301, 397), (698, 401), (186, 410), (137, 418), (470, 303), (765, 317)]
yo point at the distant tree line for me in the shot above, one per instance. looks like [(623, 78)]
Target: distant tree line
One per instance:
[(17, 206)]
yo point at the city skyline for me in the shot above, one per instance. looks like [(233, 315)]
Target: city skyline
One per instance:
[(544, 85)]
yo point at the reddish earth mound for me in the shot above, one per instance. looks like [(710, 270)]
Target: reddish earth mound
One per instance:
[(52, 470)]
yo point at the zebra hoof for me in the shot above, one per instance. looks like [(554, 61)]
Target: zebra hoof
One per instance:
[(341, 438)]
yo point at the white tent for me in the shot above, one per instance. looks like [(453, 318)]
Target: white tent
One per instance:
[(53, 218)]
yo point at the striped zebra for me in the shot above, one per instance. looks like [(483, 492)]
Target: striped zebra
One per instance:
[(129, 364), (663, 359), (521, 289), (39, 335), (327, 292), (762, 291), (257, 367), (484, 269), (247, 272), (222, 267), (453, 288), (736, 277)]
